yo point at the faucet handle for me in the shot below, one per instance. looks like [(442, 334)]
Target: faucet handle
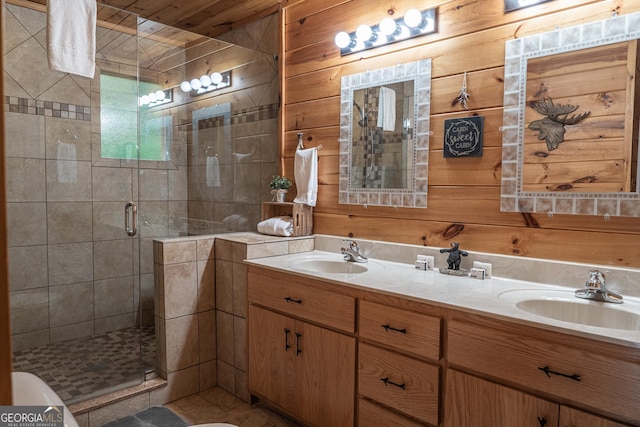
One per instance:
[(596, 280), (351, 243)]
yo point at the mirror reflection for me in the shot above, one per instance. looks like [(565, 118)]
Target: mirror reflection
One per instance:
[(382, 143), (571, 120), (384, 136)]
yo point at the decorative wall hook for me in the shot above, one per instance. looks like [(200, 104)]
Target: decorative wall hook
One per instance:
[(463, 96)]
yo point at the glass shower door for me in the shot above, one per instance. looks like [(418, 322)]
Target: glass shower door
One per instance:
[(74, 273)]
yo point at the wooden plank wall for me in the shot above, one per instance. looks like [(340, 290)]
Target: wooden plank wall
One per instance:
[(464, 193)]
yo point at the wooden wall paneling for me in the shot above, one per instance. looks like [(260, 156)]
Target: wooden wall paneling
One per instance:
[(576, 246), (322, 53), (320, 113), (470, 41), (476, 205), (327, 136), (5, 329)]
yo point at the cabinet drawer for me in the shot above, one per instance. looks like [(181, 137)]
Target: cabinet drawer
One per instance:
[(370, 414), (297, 299), (407, 331), (589, 379), (400, 382)]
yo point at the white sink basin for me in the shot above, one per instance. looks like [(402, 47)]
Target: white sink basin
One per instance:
[(329, 266), (565, 307)]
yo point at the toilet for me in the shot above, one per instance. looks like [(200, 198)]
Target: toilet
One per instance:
[(29, 390)]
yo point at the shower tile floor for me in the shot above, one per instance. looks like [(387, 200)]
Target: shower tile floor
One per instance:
[(88, 367)]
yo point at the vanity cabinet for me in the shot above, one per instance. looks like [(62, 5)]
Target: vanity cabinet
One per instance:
[(398, 365), (561, 367), (474, 402), (298, 361)]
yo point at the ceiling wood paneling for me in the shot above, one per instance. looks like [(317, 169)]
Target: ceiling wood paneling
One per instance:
[(207, 17)]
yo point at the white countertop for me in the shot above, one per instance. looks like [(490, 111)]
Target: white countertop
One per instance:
[(490, 297)]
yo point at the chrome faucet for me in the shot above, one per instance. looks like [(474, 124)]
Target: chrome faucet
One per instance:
[(596, 290), (352, 252)]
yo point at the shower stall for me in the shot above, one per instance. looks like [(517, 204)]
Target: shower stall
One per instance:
[(80, 151)]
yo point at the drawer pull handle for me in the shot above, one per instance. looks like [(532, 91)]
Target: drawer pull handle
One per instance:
[(386, 381), (549, 372), (542, 421), (298, 335), (289, 299), (286, 339), (391, 328)]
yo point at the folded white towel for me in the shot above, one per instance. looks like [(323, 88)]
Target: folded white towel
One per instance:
[(213, 171), (277, 226), (71, 36), (306, 176), (387, 109)]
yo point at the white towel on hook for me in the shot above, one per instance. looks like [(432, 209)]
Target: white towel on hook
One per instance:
[(67, 164), (71, 36), (213, 171), (387, 109), (306, 176)]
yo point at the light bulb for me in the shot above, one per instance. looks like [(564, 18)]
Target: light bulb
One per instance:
[(413, 18), (160, 95), (216, 78), (205, 80), (387, 26), (342, 40), (152, 97), (185, 86), (364, 33), (196, 84), (144, 100)]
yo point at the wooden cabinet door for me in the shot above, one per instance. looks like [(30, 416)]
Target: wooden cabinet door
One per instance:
[(573, 418), (271, 353), (325, 372), (473, 402)]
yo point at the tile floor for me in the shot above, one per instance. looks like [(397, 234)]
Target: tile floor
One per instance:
[(218, 406), (90, 366)]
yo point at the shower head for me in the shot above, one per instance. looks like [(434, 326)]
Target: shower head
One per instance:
[(363, 119)]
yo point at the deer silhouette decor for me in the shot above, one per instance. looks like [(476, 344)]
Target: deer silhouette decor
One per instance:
[(551, 128)]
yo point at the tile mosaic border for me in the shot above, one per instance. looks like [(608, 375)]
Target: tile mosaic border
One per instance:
[(14, 104)]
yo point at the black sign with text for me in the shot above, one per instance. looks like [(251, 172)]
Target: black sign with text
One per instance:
[(463, 137)]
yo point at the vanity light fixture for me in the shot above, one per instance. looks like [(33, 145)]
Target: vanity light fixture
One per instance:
[(159, 97), (414, 23), (207, 83), (510, 5)]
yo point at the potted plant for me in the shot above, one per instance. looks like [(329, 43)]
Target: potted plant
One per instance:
[(279, 186)]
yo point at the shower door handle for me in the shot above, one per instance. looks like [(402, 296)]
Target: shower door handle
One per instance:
[(131, 211)]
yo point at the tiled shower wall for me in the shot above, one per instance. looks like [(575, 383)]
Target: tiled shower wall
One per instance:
[(73, 270)]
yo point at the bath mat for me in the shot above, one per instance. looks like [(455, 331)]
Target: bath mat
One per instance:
[(156, 416)]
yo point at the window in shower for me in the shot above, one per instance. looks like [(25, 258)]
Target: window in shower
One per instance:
[(119, 121)]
